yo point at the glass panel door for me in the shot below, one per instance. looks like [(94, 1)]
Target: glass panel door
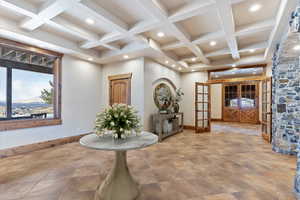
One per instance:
[(202, 111), (266, 120), (231, 103)]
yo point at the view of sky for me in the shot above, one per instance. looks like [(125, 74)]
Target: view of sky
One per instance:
[(26, 85)]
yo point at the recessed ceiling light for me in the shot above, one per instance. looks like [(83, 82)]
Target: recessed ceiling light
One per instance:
[(193, 59), (166, 61), (173, 65), (193, 70), (125, 56), (255, 7), (89, 21), (297, 48), (160, 34), (180, 68), (212, 43), (90, 59), (233, 65), (252, 50)]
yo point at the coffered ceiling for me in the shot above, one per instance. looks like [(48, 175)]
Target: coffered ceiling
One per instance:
[(181, 34)]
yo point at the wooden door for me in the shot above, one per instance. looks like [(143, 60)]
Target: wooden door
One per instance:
[(231, 110), (120, 89), (266, 119), (202, 108), (249, 102)]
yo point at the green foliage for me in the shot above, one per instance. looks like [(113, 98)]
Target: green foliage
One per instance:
[(47, 94), (120, 118)]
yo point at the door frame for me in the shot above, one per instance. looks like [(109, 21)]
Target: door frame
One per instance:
[(120, 77)]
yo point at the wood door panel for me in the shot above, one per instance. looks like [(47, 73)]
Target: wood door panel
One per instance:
[(231, 115), (120, 89), (249, 116), (240, 102)]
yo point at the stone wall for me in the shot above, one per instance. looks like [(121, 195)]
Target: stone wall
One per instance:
[(286, 97)]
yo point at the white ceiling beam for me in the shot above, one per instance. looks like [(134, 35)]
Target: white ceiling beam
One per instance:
[(100, 13), (209, 36), (227, 21), (191, 10), (159, 12), (10, 30), (173, 45), (49, 10), (281, 26), (221, 52), (257, 46), (21, 7), (255, 27), (66, 27)]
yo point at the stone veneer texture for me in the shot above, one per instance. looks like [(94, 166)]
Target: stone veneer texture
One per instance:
[(286, 98)]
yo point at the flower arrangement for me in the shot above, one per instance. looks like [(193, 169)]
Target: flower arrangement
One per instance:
[(176, 99), (121, 119), (178, 95)]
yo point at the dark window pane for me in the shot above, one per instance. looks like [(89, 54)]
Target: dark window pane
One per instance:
[(2, 92), (32, 94)]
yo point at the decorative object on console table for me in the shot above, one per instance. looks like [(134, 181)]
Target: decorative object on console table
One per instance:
[(162, 97), (177, 98), (170, 120), (119, 121)]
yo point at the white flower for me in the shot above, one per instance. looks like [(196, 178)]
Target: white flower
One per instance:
[(116, 115), (121, 129), (116, 135), (112, 123)]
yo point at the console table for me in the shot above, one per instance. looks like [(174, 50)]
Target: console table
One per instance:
[(165, 125)]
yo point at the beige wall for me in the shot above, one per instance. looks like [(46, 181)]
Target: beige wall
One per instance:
[(216, 101), (188, 81), (81, 100), (134, 66), (153, 72)]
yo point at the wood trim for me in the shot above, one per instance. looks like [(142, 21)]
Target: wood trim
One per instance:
[(26, 47), (233, 80), (189, 127), (38, 146), (239, 67), (27, 123), (120, 76), (216, 120)]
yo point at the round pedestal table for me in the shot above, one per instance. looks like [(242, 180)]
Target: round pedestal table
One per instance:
[(119, 184)]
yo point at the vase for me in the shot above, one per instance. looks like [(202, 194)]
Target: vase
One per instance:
[(176, 107)]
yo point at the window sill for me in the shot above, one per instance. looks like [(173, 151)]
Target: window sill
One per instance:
[(27, 123)]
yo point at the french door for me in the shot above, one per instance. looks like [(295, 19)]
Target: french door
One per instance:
[(202, 108), (240, 102), (266, 119)]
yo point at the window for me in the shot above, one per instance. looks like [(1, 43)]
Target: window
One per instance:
[(2, 92), (29, 87), (32, 94)]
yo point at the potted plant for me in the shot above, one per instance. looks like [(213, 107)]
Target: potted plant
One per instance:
[(176, 99), (120, 119)]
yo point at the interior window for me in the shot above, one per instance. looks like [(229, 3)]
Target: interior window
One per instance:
[(231, 96), (248, 96)]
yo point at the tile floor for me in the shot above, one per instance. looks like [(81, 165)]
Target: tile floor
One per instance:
[(224, 166)]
